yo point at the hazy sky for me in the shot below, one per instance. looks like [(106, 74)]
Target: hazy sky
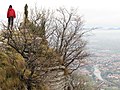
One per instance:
[(95, 12)]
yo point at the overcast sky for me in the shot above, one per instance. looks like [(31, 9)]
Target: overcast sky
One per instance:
[(95, 12)]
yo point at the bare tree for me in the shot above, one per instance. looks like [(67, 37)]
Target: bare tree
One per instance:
[(67, 40), (49, 42)]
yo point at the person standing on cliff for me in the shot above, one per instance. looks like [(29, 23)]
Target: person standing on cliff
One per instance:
[(10, 15)]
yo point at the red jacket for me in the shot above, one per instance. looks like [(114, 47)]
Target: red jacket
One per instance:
[(11, 13)]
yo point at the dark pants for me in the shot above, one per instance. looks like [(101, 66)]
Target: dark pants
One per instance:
[(10, 22)]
